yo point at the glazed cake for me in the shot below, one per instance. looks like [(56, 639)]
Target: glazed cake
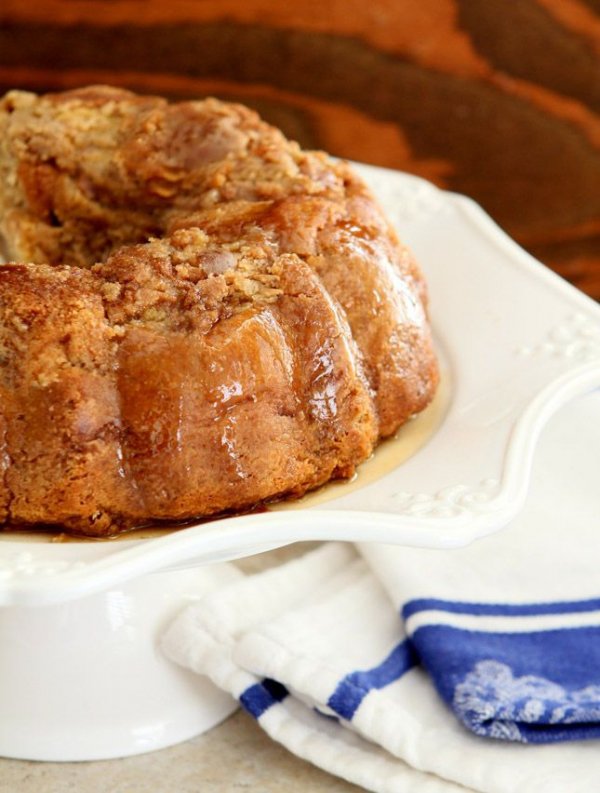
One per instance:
[(198, 316)]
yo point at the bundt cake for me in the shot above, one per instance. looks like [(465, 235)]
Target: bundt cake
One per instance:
[(197, 316)]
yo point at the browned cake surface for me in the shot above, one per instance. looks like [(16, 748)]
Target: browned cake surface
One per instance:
[(260, 347), (86, 171), (357, 257)]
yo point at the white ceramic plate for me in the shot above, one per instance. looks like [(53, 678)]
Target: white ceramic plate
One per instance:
[(516, 343)]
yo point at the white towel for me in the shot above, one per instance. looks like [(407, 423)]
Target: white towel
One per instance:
[(403, 669)]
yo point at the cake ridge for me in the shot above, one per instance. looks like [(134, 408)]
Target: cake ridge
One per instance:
[(250, 331)]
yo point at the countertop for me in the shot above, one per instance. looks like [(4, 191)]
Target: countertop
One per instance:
[(234, 756)]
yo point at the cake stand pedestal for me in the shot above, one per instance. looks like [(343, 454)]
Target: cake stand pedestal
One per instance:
[(86, 680)]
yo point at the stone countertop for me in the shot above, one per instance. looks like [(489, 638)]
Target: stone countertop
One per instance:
[(236, 755)]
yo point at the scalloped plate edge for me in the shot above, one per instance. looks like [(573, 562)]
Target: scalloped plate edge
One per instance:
[(472, 512)]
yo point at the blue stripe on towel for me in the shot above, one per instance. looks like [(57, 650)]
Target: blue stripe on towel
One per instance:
[(536, 687), (261, 696), (351, 691), (500, 609)]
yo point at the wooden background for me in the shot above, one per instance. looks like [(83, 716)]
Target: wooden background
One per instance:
[(498, 99)]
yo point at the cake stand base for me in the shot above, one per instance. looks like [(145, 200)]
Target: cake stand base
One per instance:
[(86, 680)]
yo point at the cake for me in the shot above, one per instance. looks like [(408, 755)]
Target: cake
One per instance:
[(197, 316)]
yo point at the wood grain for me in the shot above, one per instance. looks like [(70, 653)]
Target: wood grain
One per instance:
[(496, 100)]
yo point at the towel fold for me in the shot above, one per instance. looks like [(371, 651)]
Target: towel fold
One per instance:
[(404, 669)]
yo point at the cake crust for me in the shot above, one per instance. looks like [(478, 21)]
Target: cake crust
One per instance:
[(198, 316)]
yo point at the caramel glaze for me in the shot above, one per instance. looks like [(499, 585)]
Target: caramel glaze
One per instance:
[(375, 280), (259, 349)]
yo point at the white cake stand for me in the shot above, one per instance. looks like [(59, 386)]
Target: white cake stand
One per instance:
[(81, 675)]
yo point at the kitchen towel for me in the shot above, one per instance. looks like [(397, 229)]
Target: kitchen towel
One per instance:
[(404, 669)]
